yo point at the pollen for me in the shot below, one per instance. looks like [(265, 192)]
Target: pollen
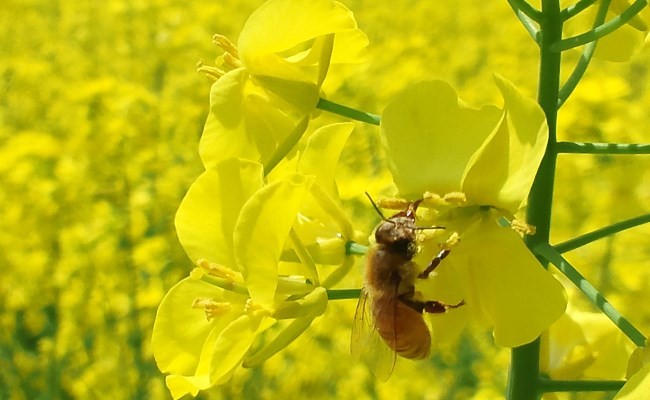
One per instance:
[(522, 227), (453, 240), (393, 203), (212, 308), (435, 200), (218, 270)]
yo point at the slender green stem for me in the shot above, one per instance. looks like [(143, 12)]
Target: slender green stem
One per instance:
[(585, 58), (603, 148), (602, 30), (355, 248), (528, 23), (551, 385), (523, 378), (526, 8), (348, 112), (554, 257), (575, 9), (343, 294), (590, 237)]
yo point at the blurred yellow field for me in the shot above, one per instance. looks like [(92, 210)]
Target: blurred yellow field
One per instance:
[(101, 113)]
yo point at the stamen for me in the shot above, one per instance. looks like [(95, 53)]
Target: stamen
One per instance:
[(231, 60), (522, 227), (453, 240), (213, 73), (226, 45), (455, 198), (218, 270), (435, 200), (212, 308), (393, 203)]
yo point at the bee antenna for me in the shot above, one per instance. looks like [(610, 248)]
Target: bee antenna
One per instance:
[(421, 228), (376, 208)]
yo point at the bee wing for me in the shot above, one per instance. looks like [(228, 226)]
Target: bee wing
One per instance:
[(366, 344)]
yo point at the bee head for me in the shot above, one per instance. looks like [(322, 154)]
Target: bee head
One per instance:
[(397, 234)]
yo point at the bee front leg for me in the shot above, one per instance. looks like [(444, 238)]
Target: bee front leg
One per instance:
[(434, 263)]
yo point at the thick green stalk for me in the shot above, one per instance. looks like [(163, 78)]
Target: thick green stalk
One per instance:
[(523, 380)]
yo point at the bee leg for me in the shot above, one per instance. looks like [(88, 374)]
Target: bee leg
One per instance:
[(436, 307), (434, 263)]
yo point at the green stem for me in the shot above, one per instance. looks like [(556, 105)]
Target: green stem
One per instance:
[(602, 148), (524, 369), (602, 30), (553, 256), (526, 8), (348, 112), (575, 9), (551, 385), (590, 237), (526, 21), (585, 58), (355, 248), (343, 294)]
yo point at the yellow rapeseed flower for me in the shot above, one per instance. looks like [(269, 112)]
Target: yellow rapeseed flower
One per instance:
[(269, 83), (485, 161)]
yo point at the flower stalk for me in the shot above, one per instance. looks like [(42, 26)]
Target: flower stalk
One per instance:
[(523, 380)]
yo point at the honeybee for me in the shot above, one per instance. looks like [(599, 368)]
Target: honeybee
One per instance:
[(389, 310)]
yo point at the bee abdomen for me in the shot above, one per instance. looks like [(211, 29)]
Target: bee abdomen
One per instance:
[(403, 329)]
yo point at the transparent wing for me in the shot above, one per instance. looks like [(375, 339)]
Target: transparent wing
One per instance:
[(366, 344)]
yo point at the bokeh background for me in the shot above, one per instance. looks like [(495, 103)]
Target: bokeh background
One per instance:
[(100, 116)]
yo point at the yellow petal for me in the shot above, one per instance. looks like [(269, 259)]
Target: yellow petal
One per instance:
[(430, 136), (508, 285), (619, 6), (637, 387), (502, 171), (321, 155), (278, 37), (304, 311), (221, 354), (261, 231), (180, 331), (204, 225), (563, 344), (245, 120), (620, 45)]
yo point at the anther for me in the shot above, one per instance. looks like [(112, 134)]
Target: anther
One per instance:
[(225, 44), (218, 270), (212, 307), (522, 227), (211, 72)]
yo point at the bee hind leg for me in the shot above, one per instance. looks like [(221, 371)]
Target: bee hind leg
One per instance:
[(434, 263), (436, 307), (430, 306)]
